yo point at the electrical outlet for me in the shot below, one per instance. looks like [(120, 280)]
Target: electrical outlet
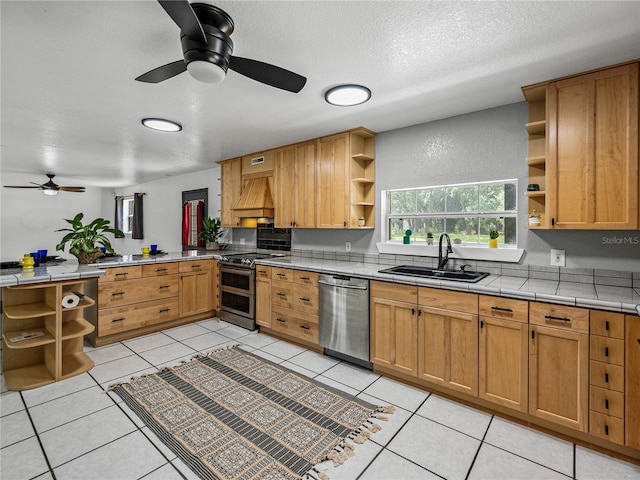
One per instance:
[(242, 241), (557, 258), (347, 246)]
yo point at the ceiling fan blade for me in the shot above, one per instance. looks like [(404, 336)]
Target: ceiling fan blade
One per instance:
[(72, 189), (268, 74), (164, 72), (181, 12), (21, 186)]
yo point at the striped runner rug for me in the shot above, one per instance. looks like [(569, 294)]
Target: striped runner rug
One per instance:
[(233, 415)]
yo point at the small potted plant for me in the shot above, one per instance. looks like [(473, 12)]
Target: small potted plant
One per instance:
[(211, 231), (493, 237), (85, 240), (534, 219), (429, 238)]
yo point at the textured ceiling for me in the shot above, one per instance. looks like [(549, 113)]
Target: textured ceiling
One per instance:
[(70, 104)]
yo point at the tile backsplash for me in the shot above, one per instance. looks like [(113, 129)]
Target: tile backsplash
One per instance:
[(271, 238)]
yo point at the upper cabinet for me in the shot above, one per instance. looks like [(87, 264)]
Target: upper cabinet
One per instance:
[(583, 150), (294, 180), (230, 189)]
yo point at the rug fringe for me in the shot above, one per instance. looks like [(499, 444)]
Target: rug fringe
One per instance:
[(222, 348)]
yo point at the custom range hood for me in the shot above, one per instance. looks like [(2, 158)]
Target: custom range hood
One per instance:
[(255, 199)]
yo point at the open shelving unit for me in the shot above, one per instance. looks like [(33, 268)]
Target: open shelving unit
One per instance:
[(536, 96), (58, 353), (362, 177)]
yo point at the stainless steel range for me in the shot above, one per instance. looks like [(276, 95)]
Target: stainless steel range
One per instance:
[(238, 289)]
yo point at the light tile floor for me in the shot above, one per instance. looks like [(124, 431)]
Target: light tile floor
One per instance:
[(72, 429)]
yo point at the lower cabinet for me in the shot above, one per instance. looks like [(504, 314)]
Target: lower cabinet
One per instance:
[(263, 296), (632, 373)]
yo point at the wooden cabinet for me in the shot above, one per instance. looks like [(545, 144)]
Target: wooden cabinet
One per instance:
[(559, 364), (448, 339), (588, 168), (504, 352), (294, 178), (58, 353), (195, 287), (263, 295), (362, 155), (230, 190), (632, 383), (332, 182), (394, 317)]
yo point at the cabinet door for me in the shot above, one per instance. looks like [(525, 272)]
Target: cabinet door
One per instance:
[(559, 376), (632, 372), (195, 291), (393, 335), (285, 188), (504, 374), (448, 349), (332, 177), (593, 157), (305, 185), (263, 302), (230, 190)]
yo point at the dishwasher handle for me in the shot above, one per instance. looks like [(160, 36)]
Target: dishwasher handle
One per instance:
[(351, 287)]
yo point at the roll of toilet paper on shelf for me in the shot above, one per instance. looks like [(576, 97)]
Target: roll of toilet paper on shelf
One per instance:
[(70, 300)]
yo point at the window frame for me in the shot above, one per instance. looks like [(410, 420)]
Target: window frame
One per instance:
[(127, 214)]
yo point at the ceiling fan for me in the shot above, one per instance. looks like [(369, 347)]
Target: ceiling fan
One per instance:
[(207, 49), (49, 188)]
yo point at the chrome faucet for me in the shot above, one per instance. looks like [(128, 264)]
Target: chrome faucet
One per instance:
[(442, 261)]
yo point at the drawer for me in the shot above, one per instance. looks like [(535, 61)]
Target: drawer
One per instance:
[(606, 427), (507, 308), (446, 299), (608, 350), (158, 269), (559, 316), (263, 271), (121, 273), (284, 274), (302, 298), (295, 324), (121, 319), (126, 292), (195, 266), (305, 278), (607, 402), (394, 291), (607, 376), (607, 324)]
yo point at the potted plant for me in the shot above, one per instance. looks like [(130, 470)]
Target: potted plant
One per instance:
[(493, 237), (534, 219), (211, 231), (429, 238), (85, 240)]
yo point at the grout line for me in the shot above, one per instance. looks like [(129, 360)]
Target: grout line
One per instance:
[(479, 447), (37, 435)]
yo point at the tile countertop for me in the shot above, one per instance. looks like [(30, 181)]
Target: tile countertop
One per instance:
[(71, 269), (603, 297)]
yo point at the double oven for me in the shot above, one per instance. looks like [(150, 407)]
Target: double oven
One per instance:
[(238, 289)]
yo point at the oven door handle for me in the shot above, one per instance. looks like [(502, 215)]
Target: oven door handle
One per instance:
[(247, 272)]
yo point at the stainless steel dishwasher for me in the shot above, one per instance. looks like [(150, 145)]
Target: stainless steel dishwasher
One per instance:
[(344, 318)]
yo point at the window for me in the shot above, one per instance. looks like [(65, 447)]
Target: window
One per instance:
[(127, 215), (467, 212)]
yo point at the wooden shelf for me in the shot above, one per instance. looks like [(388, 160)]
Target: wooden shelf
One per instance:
[(31, 376), (537, 193), (31, 310), (364, 204), (78, 327), (363, 180), (362, 156), (534, 161), (537, 128), (75, 364), (46, 339), (84, 302)]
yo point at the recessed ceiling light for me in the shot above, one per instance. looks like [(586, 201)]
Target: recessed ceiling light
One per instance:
[(347, 95), (161, 124)]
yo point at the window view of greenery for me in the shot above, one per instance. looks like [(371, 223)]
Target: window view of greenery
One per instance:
[(466, 212)]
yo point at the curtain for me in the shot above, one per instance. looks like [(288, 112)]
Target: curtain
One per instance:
[(137, 231), (200, 217), (118, 215), (186, 212)]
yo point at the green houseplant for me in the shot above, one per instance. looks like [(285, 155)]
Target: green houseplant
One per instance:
[(211, 231), (85, 240), (493, 237)]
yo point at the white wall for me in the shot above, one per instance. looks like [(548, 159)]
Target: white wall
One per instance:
[(29, 217), (162, 208)]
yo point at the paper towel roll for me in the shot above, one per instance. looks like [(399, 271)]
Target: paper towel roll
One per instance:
[(70, 300)]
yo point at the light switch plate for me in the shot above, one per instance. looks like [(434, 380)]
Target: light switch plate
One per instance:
[(347, 246), (557, 258)]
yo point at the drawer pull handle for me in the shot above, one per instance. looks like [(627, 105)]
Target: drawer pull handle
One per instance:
[(115, 294), (606, 403), (606, 378), (165, 286), (122, 274), (304, 299), (165, 310), (281, 274), (305, 278), (606, 325), (197, 265), (280, 320), (116, 320), (559, 319), (606, 351), (606, 429), (304, 326), (280, 294), (262, 271), (502, 309), (162, 269)]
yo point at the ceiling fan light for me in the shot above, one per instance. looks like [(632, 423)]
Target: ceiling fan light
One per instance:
[(205, 71), (50, 191), (347, 95), (161, 124)]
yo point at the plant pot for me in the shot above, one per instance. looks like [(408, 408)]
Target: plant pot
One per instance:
[(88, 257), (493, 243), (213, 246)]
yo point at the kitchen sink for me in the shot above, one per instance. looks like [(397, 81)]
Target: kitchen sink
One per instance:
[(424, 272)]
